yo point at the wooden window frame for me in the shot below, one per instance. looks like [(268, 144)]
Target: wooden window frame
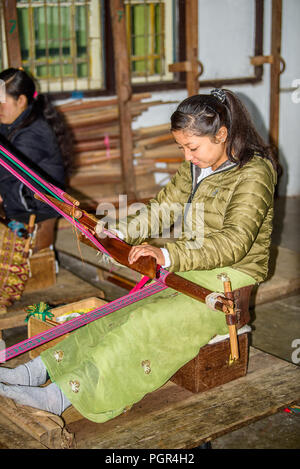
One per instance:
[(179, 81), (64, 82)]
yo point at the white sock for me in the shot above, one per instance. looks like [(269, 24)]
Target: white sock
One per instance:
[(33, 373), (49, 398)]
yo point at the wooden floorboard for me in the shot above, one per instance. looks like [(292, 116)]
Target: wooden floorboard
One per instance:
[(174, 418)]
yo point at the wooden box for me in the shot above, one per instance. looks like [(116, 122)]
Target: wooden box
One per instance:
[(43, 271), (35, 325), (211, 367)]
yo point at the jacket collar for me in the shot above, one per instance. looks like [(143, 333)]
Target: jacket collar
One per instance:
[(196, 171)]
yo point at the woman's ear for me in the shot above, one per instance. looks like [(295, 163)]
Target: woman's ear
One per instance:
[(221, 135), (22, 102)]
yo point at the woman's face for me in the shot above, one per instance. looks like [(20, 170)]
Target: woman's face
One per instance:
[(12, 108), (203, 151)]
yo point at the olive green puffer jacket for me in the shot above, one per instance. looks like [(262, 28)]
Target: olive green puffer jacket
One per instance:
[(227, 218)]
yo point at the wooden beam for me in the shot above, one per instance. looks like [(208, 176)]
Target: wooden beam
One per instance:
[(12, 33), (192, 75), (261, 59), (275, 71), (191, 64), (124, 92), (180, 67), (48, 429)]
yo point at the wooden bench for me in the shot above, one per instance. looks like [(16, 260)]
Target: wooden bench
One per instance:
[(169, 418)]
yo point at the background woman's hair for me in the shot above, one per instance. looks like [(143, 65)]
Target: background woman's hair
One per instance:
[(18, 82), (206, 114)]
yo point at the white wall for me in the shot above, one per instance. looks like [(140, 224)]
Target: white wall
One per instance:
[(235, 19)]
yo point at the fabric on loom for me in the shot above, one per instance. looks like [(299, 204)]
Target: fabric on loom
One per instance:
[(14, 266)]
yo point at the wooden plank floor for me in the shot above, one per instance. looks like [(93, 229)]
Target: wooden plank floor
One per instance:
[(173, 418)]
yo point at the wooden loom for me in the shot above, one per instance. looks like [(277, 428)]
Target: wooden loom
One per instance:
[(147, 266), (56, 432)]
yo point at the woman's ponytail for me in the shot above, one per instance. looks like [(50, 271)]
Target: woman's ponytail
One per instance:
[(244, 139)]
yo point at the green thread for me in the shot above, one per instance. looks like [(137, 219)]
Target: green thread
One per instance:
[(41, 310), (30, 175)]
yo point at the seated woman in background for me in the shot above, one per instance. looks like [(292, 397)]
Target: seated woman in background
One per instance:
[(108, 365), (31, 126)]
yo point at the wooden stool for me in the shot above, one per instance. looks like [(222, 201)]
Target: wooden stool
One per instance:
[(213, 366)]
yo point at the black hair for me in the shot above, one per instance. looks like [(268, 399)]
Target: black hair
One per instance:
[(205, 114), (17, 83)]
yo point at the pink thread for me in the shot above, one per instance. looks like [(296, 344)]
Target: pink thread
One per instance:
[(31, 187), (140, 284), (35, 94), (57, 331), (50, 186), (161, 273), (133, 296), (107, 145)]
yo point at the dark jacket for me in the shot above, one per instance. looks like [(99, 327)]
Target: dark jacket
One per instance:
[(37, 147)]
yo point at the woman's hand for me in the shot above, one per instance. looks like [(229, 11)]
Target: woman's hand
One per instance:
[(146, 250)]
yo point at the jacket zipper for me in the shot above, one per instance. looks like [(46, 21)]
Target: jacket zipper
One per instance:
[(198, 184)]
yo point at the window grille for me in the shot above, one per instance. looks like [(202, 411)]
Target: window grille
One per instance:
[(61, 43), (150, 39)]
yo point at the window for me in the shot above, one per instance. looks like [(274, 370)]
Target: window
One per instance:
[(66, 44), (149, 38), (61, 43)]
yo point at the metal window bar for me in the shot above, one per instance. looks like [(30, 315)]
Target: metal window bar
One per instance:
[(34, 63), (146, 36), (46, 40), (88, 43), (60, 44)]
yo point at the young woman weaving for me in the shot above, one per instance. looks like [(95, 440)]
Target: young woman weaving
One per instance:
[(110, 364)]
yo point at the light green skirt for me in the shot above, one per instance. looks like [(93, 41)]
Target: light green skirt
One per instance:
[(108, 365)]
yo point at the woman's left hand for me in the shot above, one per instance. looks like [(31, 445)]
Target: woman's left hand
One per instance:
[(146, 250)]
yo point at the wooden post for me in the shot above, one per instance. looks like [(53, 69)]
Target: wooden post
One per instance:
[(231, 326), (191, 28), (124, 92), (191, 64), (30, 229), (12, 33), (275, 71)]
